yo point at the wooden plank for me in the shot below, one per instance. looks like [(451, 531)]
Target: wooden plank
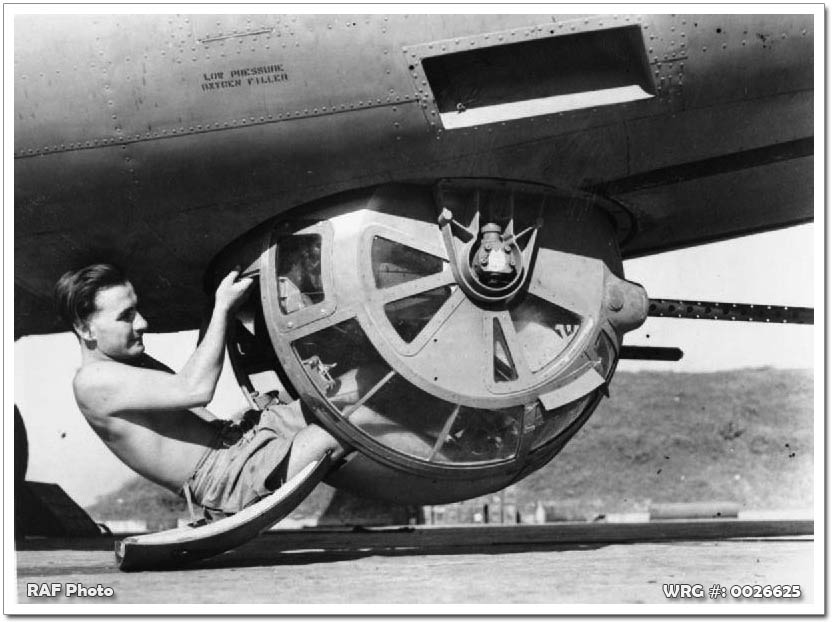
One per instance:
[(426, 537), (175, 547)]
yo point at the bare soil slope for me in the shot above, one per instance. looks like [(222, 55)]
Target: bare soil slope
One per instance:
[(744, 436)]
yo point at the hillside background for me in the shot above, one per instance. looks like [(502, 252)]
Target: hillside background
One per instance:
[(744, 436)]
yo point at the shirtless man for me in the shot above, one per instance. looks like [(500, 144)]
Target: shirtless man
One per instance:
[(154, 420)]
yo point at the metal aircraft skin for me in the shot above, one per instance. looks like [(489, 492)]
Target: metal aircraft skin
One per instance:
[(437, 206), (135, 139)]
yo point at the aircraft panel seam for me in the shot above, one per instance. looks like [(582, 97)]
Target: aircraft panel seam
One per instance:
[(203, 129)]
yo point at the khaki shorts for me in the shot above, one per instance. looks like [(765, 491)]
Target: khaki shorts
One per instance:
[(231, 474)]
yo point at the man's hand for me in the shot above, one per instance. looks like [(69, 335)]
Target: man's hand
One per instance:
[(231, 292)]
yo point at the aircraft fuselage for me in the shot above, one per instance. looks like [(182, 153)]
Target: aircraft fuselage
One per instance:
[(155, 140)]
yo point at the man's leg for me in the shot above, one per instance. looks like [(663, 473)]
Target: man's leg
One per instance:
[(308, 446)]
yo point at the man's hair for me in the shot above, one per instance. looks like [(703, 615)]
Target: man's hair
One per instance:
[(75, 292)]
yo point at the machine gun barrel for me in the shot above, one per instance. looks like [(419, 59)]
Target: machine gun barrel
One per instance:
[(651, 353)]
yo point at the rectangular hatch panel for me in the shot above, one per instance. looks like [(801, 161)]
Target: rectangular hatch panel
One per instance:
[(520, 79)]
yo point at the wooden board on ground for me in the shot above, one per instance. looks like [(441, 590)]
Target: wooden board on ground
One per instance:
[(175, 547)]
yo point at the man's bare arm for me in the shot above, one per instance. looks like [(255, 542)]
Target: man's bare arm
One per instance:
[(202, 371), (108, 387), (148, 362)]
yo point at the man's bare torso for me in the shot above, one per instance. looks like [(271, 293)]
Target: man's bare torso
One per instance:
[(163, 446)]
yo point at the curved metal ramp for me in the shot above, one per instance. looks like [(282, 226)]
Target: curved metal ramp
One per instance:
[(176, 547)]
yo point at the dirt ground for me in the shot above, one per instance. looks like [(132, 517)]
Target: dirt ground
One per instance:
[(595, 574)]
